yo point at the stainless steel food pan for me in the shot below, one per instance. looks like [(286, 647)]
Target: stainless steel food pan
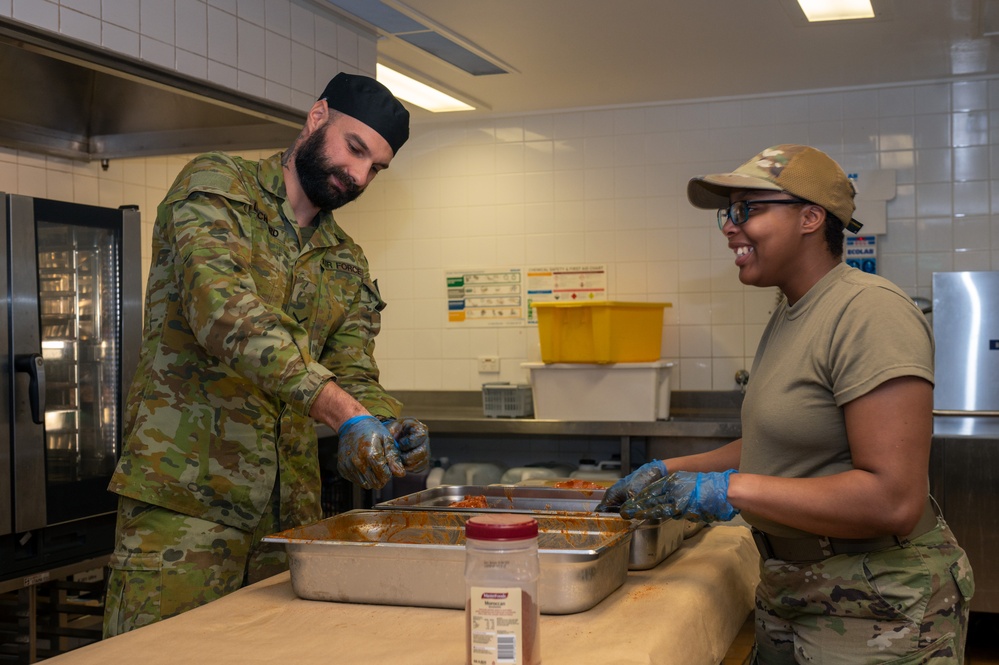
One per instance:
[(394, 557), (653, 540), (500, 498)]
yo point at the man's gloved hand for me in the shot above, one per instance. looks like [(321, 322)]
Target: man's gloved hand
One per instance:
[(413, 440), (694, 496), (367, 454), (629, 486)]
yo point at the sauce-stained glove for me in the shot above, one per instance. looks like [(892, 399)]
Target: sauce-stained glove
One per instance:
[(413, 441), (684, 495), (629, 486), (367, 454)]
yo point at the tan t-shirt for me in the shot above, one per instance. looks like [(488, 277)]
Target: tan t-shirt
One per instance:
[(850, 333)]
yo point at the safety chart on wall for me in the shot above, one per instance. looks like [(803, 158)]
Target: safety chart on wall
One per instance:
[(565, 284), (503, 296)]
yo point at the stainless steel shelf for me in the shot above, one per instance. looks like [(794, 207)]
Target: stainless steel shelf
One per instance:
[(692, 415)]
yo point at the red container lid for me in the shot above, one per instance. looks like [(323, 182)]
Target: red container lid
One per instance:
[(501, 526)]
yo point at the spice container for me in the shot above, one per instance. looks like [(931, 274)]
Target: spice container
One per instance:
[(502, 567)]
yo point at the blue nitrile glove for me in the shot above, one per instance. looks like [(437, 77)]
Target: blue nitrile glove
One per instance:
[(366, 454), (412, 438), (629, 486), (684, 495)]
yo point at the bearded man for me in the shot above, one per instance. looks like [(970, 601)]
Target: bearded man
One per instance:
[(260, 319)]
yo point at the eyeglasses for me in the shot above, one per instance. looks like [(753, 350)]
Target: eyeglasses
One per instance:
[(739, 211)]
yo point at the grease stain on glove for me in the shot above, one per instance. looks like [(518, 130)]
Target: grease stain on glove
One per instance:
[(412, 438), (628, 487), (699, 497), (367, 454)]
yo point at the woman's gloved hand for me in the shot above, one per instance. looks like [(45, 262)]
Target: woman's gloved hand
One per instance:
[(694, 496), (367, 454), (413, 441), (629, 486)]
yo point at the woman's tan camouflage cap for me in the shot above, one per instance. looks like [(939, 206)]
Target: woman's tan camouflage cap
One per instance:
[(799, 170)]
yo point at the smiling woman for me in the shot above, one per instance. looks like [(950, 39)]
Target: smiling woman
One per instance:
[(816, 200), (831, 470)]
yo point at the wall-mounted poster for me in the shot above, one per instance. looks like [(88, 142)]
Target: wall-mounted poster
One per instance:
[(486, 297), (565, 284), (503, 296), (862, 253)]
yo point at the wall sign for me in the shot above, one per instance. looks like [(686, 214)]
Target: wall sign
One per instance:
[(503, 296), (862, 253), (486, 297), (565, 284)]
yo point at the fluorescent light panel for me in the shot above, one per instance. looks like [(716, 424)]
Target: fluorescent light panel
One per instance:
[(393, 22), (836, 10), (422, 95)]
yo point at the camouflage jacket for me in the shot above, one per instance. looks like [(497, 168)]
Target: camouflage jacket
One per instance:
[(242, 330)]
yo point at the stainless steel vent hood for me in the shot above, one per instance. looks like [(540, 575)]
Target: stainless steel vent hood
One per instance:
[(73, 100)]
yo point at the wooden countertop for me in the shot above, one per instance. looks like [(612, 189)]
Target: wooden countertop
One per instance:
[(687, 610)]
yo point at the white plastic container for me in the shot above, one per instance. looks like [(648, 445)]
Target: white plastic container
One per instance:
[(590, 470), (502, 569), (435, 478), (473, 473), (636, 392), (519, 474)]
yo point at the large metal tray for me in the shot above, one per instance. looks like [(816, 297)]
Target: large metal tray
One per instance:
[(395, 557), (653, 540)]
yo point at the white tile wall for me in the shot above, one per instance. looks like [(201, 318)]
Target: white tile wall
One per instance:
[(576, 185), (241, 44), (608, 185)]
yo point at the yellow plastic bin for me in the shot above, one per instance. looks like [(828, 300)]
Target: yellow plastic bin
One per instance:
[(600, 331)]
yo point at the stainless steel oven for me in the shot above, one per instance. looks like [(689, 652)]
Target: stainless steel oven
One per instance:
[(70, 326)]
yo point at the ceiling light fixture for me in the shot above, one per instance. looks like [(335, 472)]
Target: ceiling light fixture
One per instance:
[(836, 10), (411, 90)]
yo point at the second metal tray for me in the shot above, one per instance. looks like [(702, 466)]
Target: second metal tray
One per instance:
[(500, 499), (653, 540)]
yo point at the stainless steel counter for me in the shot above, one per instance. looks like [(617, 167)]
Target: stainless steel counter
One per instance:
[(693, 414), (966, 426)]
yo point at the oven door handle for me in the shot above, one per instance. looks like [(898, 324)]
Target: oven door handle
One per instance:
[(34, 367)]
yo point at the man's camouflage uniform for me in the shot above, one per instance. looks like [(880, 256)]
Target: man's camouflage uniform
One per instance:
[(245, 323)]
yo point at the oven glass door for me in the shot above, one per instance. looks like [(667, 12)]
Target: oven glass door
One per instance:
[(78, 299)]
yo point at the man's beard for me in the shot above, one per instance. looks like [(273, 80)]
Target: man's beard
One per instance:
[(314, 171)]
